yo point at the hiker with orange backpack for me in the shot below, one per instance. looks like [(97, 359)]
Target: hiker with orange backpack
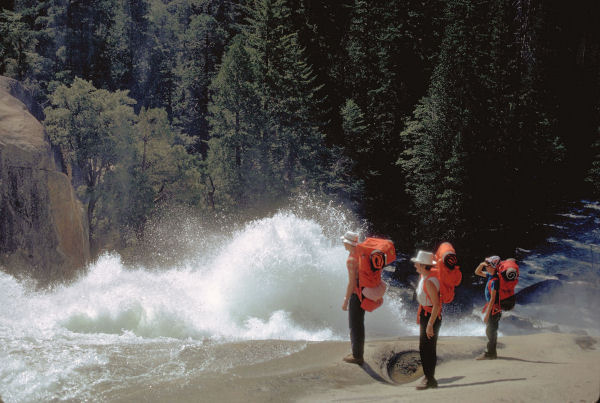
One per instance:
[(502, 277), (429, 316), (492, 311), (365, 289), (356, 315), (440, 274)]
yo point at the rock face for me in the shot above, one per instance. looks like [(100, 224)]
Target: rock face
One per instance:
[(43, 228)]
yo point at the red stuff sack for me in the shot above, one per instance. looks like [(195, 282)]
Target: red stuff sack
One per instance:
[(447, 270), (508, 273), (373, 255)]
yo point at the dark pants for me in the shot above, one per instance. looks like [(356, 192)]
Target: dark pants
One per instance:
[(427, 347), (491, 330), (356, 320)]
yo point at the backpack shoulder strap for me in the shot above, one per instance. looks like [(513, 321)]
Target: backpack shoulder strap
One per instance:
[(497, 299)]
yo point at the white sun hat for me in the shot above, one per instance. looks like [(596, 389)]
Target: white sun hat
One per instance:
[(350, 238), (423, 257)]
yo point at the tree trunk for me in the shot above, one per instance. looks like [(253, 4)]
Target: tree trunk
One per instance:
[(90, 215)]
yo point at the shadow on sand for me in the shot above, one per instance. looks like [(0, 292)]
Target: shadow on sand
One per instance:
[(371, 372), (522, 360), (449, 380), (456, 378)]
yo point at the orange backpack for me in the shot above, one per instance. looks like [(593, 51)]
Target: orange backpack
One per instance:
[(373, 255), (508, 273), (446, 269)]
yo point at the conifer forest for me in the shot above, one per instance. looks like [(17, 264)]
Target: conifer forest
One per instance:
[(462, 120)]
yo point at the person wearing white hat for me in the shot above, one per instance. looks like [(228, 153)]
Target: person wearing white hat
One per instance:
[(430, 319), (356, 315)]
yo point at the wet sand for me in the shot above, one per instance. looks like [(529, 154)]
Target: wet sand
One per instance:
[(548, 367)]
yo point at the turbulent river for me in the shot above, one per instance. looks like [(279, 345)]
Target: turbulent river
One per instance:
[(280, 278)]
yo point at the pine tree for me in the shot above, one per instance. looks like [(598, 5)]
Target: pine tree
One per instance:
[(483, 134), (51, 20), (88, 26), (202, 44), (593, 176), (160, 82), (18, 57), (344, 172), (128, 46), (390, 49), (234, 165), (284, 147), (288, 93), (322, 27)]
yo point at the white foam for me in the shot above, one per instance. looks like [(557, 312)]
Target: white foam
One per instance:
[(574, 216), (278, 278), (282, 277)]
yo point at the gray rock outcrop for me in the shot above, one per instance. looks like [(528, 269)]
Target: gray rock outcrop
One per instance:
[(43, 228)]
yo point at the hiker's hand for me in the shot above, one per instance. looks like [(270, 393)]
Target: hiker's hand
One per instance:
[(429, 331), (345, 305), (486, 318)]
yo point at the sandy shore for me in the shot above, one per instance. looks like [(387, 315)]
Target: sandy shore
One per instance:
[(547, 367)]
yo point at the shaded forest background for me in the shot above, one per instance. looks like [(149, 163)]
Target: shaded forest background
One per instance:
[(462, 120)]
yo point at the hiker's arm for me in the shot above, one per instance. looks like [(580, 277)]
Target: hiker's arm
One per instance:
[(479, 270), (352, 275), (490, 305), (434, 296)]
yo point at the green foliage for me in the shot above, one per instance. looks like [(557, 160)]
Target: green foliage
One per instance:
[(126, 165), (159, 83), (264, 144), (172, 174), (120, 47), (408, 111), (93, 127), (355, 128), (479, 145), (322, 27), (235, 134), (344, 171), (389, 60), (156, 171), (18, 57), (202, 40), (593, 176), (88, 30)]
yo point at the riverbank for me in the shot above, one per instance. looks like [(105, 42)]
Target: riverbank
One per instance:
[(549, 367)]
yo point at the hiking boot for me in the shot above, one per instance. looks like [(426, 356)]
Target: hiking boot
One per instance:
[(427, 384), (486, 356), (350, 359)]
